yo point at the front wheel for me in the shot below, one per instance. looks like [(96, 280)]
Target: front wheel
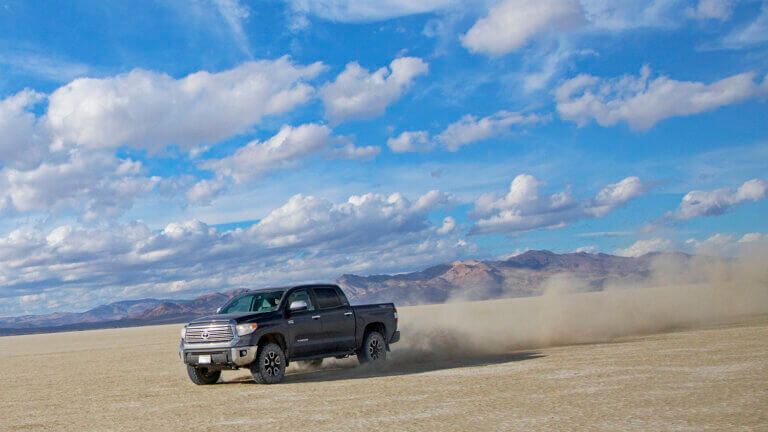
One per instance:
[(374, 349), (203, 376), (269, 366)]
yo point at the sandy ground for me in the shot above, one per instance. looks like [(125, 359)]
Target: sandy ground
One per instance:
[(132, 380)]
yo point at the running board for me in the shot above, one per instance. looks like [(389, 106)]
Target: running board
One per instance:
[(319, 356)]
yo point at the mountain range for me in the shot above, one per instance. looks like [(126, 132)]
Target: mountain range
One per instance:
[(519, 276), (119, 314)]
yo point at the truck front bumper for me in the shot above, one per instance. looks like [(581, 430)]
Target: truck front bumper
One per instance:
[(223, 358)]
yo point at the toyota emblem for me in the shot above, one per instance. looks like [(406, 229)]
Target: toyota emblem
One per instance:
[(205, 334)]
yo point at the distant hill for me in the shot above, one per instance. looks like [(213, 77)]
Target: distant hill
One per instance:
[(119, 314), (519, 276)]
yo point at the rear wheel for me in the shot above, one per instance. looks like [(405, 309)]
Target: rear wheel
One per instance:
[(203, 376), (269, 366), (374, 349)]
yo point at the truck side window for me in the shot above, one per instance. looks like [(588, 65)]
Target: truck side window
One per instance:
[(327, 298), (301, 294)]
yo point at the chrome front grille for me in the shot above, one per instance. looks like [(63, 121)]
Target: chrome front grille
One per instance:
[(209, 332)]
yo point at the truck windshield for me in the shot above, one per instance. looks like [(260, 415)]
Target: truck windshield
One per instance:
[(261, 301)]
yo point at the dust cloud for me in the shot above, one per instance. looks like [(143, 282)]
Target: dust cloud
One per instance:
[(678, 293)]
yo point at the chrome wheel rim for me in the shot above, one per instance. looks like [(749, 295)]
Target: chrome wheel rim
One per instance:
[(374, 349), (272, 363)]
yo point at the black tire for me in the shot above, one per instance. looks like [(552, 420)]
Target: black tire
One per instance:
[(203, 376), (374, 349), (269, 366), (311, 364)]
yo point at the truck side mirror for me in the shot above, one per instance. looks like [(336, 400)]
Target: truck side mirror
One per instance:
[(298, 305), (218, 310)]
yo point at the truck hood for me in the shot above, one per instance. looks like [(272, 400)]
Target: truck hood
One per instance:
[(237, 317)]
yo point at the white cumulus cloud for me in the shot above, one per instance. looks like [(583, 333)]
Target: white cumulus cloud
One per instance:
[(642, 101), (717, 244), (470, 128), (467, 130), (411, 141), (510, 24), (22, 139), (360, 94), (305, 220), (150, 110), (284, 150), (307, 238), (642, 247), (713, 203), (61, 157), (449, 224), (205, 190), (588, 249), (615, 195), (721, 244), (524, 208), (95, 185), (753, 237)]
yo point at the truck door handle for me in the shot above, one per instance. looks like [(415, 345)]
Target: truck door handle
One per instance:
[(347, 313), (316, 317)]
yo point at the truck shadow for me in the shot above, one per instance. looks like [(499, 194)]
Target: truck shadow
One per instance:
[(346, 369)]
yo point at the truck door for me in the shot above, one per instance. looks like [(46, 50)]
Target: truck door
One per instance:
[(338, 320), (304, 327)]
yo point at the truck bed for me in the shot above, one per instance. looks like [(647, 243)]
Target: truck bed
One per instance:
[(379, 312)]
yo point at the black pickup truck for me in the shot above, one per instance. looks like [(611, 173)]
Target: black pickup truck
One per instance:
[(266, 329)]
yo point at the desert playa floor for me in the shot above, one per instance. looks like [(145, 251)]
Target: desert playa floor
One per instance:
[(131, 379)]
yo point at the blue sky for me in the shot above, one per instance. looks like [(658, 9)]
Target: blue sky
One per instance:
[(171, 148)]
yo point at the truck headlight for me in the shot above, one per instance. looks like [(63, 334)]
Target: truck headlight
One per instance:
[(246, 329), (183, 332)]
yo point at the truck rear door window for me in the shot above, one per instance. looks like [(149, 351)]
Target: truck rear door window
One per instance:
[(327, 298)]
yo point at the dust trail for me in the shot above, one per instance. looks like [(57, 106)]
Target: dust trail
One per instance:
[(678, 293)]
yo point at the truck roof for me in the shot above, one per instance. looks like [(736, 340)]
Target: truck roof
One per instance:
[(286, 287)]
